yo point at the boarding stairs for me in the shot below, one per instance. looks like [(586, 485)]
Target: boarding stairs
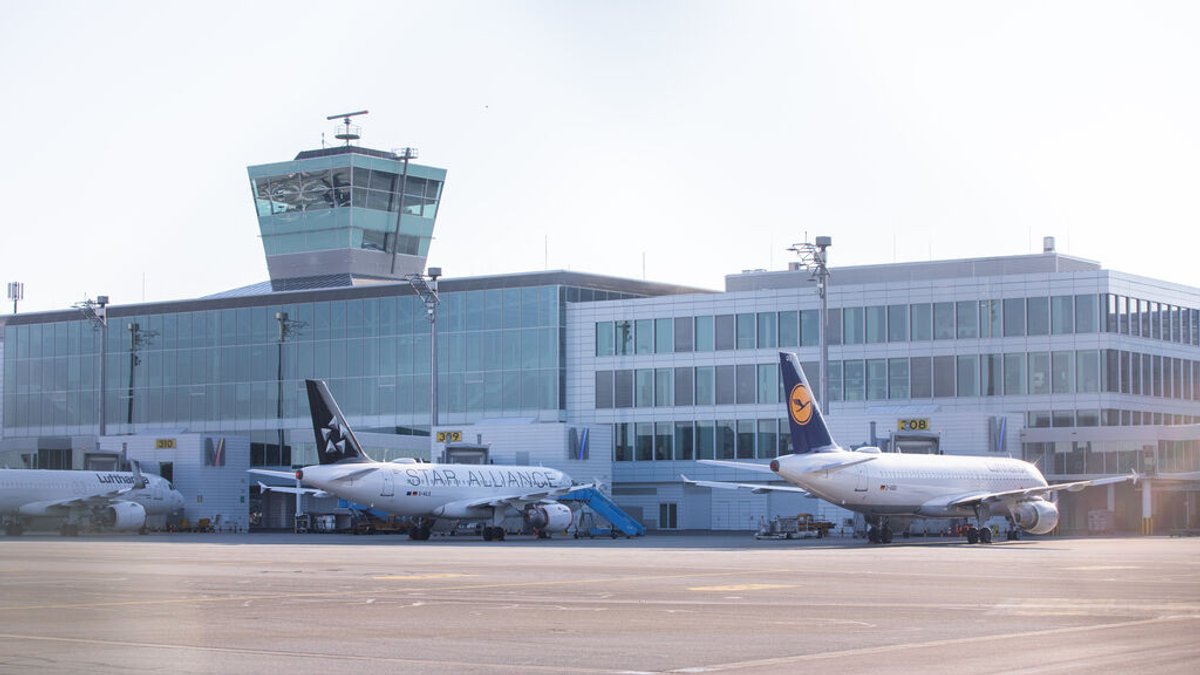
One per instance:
[(607, 509)]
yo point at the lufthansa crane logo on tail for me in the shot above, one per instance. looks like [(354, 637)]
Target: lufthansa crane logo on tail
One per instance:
[(800, 404)]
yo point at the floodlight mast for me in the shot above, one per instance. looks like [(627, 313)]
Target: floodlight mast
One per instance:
[(428, 292), (96, 312), (813, 257)]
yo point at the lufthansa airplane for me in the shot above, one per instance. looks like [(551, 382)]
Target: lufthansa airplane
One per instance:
[(427, 492), (891, 489), (115, 500)]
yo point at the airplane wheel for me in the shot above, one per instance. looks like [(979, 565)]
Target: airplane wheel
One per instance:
[(487, 533), (1016, 534), (972, 536), (499, 534), (885, 536), (985, 535), (873, 535)]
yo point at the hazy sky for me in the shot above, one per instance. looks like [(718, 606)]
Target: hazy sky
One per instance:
[(681, 141)]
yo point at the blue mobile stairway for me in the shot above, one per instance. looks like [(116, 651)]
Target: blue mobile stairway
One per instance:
[(607, 509)]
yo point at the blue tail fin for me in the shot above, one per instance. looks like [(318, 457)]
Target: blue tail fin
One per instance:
[(335, 440), (809, 432)]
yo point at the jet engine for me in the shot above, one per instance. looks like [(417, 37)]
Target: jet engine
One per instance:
[(125, 516), (1037, 516), (549, 517)]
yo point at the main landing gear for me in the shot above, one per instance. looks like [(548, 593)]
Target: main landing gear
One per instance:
[(979, 535), (420, 531), (493, 533), (879, 535)]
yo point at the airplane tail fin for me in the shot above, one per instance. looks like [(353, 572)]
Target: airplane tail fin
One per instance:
[(335, 440), (807, 424), (139, 481)]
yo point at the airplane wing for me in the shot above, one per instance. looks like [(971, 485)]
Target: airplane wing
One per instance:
[(293, 490), (748, 466), (99, 500), (756, 488), (356, 474), (521, 499), (975, 499), (286, 475), (813, 463)]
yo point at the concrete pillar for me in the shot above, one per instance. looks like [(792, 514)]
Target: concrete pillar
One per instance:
[(1112, 497), (1147, 508)]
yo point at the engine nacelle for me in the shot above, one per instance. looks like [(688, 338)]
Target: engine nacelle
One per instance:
[(1036, 516), (549, 517), (125, 516)]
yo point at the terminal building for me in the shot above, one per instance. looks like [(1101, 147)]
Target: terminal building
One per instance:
[(1087, 371)]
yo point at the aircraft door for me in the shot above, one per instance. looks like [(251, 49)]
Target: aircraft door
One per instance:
[(860, 478), (388, 487)]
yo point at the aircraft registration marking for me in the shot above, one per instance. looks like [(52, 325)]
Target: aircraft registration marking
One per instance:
[(742, 587), (418, 577)]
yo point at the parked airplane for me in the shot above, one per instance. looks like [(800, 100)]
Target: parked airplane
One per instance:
[(425, 491), (891, 489), (116, 500)]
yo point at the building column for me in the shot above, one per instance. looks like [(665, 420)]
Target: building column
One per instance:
[(1112, 497), (1147, 508)]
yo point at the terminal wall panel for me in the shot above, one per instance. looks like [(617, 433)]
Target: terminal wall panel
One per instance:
[(214, 484)]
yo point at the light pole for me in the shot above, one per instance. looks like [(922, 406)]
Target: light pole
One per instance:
[(96, 311), (813, 257), (137, 339), (286, 328), (406, 154), (429, 296)]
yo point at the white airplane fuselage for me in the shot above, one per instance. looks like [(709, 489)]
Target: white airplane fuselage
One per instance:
[(910, 484), (433, 490), (46, 493)]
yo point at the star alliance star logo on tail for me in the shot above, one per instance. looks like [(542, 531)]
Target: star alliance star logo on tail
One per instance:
[(334, 442)]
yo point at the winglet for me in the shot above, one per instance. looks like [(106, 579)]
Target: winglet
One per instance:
[(1136, 477)]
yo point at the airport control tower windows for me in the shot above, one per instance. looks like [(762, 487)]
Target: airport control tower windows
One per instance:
[(334, 188)]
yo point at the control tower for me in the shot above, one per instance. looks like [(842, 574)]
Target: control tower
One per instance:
[(345, 215)]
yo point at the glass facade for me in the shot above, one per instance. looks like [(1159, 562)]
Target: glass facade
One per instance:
[(241, 368)]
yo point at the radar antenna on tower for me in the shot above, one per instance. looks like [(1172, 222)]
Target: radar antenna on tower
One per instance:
[(350, 133)]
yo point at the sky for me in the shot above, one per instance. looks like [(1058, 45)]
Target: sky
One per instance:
[(676, 141)]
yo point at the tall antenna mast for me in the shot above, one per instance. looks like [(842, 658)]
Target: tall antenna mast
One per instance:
[(350, 133)]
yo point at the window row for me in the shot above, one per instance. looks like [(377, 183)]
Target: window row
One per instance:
[(1108, 417), (763, 330), (346, 186), (466, 311), (1154, 320), (404, 399), (904, 378), (968, 319), (700, 439)]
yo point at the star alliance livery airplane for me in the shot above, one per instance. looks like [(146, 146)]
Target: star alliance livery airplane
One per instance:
[(114, 500), (425, 491), (892, 489)]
